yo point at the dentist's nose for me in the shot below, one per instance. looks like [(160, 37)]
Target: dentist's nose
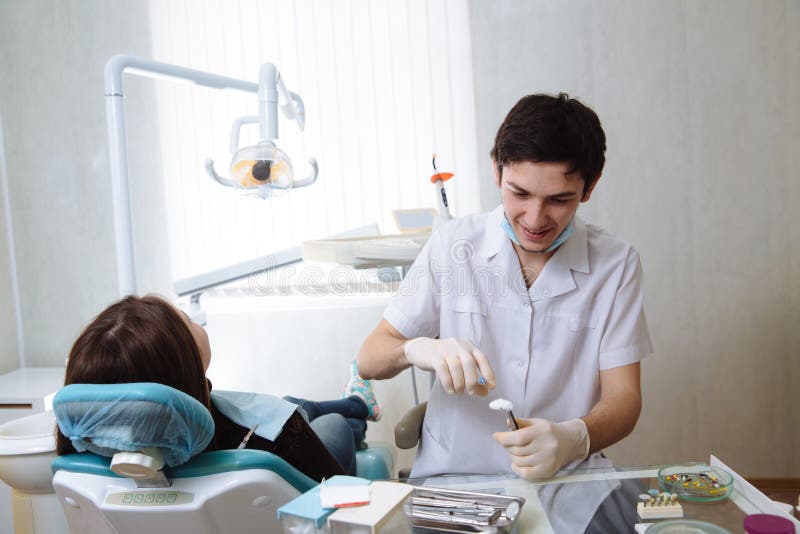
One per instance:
[(535, 217)]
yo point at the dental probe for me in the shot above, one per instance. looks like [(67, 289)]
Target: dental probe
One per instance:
[(247, 437)]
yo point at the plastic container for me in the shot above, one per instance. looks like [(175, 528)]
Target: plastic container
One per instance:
[(767, 524)]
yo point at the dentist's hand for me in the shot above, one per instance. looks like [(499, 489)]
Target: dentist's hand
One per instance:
[(457, 362), (541, 447)]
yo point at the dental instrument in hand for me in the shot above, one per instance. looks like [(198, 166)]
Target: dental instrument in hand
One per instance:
[(438, 179), (247, 437), (507, 406)]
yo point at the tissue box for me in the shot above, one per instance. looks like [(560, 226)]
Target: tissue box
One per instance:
[(384, 513), (305, 513)]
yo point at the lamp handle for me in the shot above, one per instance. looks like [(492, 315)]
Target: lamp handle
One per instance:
[(213, 173), (236, 128), (311, 178), (296, 112)]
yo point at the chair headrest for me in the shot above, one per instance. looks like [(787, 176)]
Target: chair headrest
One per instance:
[(109, 418)]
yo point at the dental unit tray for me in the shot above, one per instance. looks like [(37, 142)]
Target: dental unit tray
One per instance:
[(365, 252), (443, 510)]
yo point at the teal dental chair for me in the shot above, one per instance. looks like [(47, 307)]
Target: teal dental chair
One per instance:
[(146, 475)]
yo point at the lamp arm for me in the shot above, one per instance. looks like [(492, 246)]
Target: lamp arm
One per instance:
[(272, 90), (268, 78), (115, 68)]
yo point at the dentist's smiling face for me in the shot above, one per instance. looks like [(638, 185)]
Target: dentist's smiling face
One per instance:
[(540, 200)]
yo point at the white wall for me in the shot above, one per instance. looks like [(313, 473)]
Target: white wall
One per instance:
[(699, 101), (52, 54), (9, 346)]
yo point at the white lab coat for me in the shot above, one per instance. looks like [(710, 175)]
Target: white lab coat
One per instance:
[(546, 344)]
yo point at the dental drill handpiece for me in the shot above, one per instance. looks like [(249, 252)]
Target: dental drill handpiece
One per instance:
[(507, 406)]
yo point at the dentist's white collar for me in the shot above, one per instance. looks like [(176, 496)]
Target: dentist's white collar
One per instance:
[(574, 252)]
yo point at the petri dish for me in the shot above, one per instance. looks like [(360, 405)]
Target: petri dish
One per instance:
[(696, 482), (686, 526)]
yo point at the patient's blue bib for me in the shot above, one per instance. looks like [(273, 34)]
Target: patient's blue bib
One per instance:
[(269, 412)]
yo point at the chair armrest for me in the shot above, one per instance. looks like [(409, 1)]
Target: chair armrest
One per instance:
[(408, 430)]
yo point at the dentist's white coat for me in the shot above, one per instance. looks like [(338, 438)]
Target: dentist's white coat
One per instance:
[(546, 344)]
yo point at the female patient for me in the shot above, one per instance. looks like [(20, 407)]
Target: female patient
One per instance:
[(146, 339)]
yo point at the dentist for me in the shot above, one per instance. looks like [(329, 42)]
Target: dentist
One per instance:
[(527, 303)]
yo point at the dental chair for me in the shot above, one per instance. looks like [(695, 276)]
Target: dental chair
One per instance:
[(141, 468), (408, 430)]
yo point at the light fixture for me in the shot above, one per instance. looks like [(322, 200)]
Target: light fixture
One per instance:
[(263, 168), (258, 169)]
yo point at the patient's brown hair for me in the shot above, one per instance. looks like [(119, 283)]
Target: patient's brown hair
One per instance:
[(137, 339)]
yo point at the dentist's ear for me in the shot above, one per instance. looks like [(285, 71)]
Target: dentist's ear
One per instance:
[(588, 193), (498, 173)]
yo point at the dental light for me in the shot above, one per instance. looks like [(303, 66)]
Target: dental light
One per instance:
[(262, 168), (258, 169)]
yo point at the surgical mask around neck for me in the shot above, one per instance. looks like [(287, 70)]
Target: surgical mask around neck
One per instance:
[(563, 236)]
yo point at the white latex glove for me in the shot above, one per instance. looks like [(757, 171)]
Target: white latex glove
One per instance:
[(458, 363), (541, 447)]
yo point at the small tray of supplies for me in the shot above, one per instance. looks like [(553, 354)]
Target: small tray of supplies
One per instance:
[(696, 482), (444, 510)]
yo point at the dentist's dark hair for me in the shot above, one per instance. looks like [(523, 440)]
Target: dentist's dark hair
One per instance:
[(544, 128), (137, 339)]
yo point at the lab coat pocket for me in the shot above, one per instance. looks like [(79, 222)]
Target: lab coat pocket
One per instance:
[(469, 314), (579, 321), (561, 333)]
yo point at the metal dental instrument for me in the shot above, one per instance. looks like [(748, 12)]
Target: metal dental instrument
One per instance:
[(449, 519), (461, 511), (455, 510), (511, 422), (507, 406), (432, 502), (247, 437)]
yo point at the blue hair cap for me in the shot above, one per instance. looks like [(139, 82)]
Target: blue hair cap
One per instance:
[(109, 418)]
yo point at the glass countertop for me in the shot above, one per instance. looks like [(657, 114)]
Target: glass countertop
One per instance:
[(593, 500)]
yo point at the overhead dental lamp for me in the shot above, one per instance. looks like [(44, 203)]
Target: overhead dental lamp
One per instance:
[(259, 169), (263, 168)]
